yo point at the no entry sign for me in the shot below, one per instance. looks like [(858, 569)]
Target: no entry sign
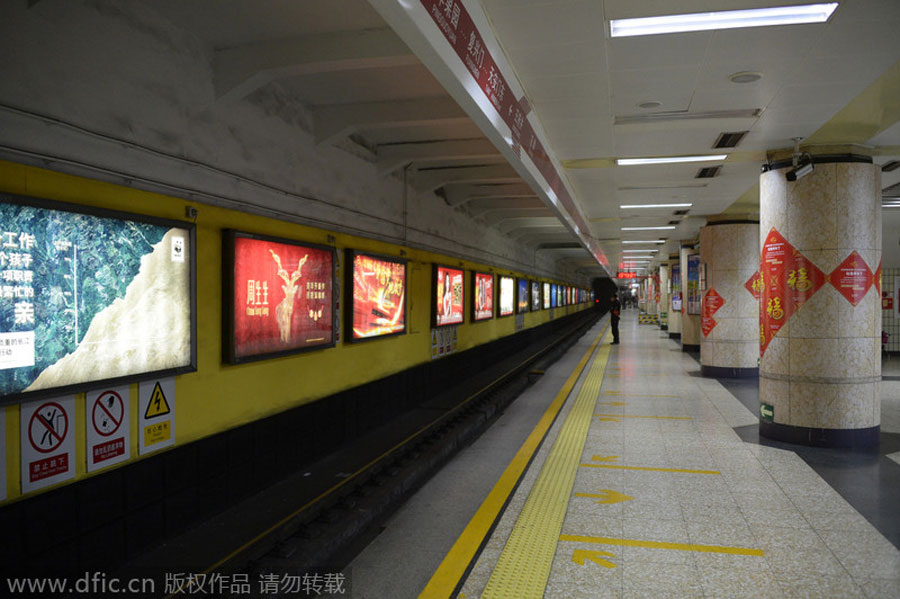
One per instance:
[(106, 420), (47, 442)]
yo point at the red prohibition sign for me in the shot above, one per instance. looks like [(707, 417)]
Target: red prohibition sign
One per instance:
[(46, 426), (106, 413)]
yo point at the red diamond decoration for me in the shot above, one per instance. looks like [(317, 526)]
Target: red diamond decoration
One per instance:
[(774, 310), (803, 280), (712, 301), (852, 278), (878, 279), (754, 285)]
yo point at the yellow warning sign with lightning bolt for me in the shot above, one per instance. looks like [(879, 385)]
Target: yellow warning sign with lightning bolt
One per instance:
[(157, 406)]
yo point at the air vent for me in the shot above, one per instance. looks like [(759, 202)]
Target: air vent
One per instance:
[(680, 212), (730, 140), (674, 222), (708, 172), (890, 166)]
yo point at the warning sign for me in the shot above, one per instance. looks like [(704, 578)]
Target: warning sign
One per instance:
[(47, 442), (158, 406), (106, 420), (156, 425)]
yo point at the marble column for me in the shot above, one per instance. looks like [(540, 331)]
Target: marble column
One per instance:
[(652, 306), (729, 319), (690, 314), (820, 372), (664, 297), (675, 298)]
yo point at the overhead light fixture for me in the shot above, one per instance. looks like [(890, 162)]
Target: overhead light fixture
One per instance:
[(637, 258), (670, 159), (663, 228), (628, 206), (725, 19), (890, 205), (645, 241), (638, 251)]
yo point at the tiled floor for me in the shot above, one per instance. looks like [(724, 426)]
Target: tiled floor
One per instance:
[(666, 539)]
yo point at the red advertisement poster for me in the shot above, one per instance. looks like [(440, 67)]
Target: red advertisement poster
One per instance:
[(507, 296), (448, 290), (852, 278), (755, 285), (379, 296), (281, 297), (483, 296), (777, 253), (712, 301), (804, 279)]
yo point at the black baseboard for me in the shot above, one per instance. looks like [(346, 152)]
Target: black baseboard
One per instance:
[(663, 327), (674, 335), (715, 372), (848, 438), (688, 347)]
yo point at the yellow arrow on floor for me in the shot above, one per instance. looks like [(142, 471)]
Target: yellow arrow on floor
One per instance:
[(582, 556), (607, 496), (605, 458)]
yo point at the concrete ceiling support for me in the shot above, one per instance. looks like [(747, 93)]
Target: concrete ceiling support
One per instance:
[(460, 193), (240, 70), (334, 122), (431, 179), (394, 156)]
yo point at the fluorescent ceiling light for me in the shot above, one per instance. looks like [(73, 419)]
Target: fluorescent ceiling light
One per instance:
[(639, 251), (625, 206), (664, 228), (646, 241), (725, 19), (890, 205), (670, 159)]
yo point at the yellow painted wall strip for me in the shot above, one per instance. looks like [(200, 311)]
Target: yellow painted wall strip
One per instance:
[(524, 565), (457, 560), (662, 545)]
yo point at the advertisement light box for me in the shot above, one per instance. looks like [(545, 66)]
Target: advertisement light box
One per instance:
[(448, 289), (279, 296), (89, 297), (535, 296), (522, 299), (507, 296), (546, 295), (378, 306), (482, 296)]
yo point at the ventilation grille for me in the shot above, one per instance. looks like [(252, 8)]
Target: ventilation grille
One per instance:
[(680, 212), (674, 222), (730, 140), (890, 166), (708, 172)]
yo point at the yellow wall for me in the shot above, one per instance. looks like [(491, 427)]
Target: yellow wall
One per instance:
[(220, 396)]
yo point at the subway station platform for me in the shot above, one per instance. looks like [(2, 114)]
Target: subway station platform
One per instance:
[(623, 473)]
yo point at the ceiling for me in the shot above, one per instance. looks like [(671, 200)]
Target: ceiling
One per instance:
[(369, 93)]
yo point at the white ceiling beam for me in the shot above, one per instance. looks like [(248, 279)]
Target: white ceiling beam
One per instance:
[(489, 205), (241, 70), (546, 224), (337, 121), (497, 217), (393, 156), (431, 179), (460, 193)]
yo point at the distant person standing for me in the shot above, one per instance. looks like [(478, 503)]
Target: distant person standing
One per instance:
[(614, 309)]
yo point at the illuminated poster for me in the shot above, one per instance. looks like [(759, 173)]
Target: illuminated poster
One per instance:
[(91, 296), (279, 296), (522, 299), (507, 296), (546, 295), (483, 296), (378, 308), (676, 288), (448, 290), (554, 296), (693, 284), (535, 296)]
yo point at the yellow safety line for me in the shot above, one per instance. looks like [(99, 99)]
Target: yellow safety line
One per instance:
[(362, 469), (457, 560), (524, 565), (638, 416), (662, 545), (637, 394), (616, 467)]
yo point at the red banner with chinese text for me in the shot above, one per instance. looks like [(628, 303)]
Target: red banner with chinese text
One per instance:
[(852, 278)]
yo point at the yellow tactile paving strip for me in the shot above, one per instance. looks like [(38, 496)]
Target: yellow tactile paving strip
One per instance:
[(525, 563)]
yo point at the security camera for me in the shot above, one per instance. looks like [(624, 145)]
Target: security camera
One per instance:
[(800, 171)]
